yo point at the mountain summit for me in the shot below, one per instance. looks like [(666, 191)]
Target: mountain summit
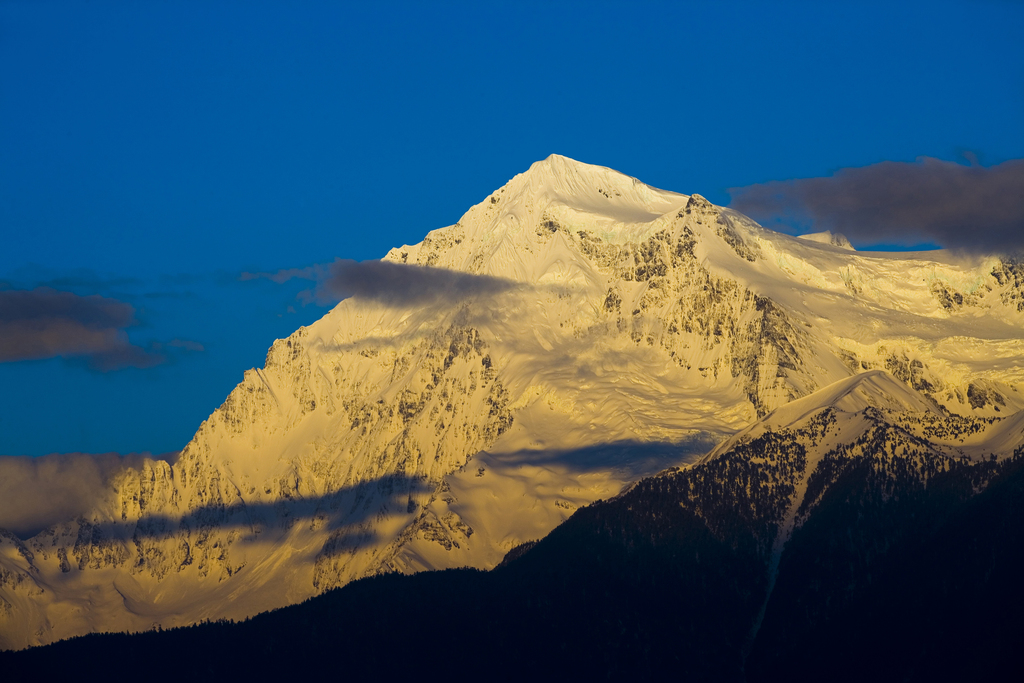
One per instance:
[(602, 331)]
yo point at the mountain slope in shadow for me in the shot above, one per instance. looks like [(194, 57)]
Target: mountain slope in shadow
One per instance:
[(902, 564)]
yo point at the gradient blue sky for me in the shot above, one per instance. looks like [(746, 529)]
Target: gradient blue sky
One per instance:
[(152, 152)]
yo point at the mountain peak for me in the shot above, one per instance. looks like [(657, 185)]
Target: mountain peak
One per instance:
[(560, 164), (696, 201), (874, 389), (590, 189), (562, 168), (601, 330)]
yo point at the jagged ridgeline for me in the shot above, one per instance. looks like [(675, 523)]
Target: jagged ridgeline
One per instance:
[(897, 547), (573, 333)]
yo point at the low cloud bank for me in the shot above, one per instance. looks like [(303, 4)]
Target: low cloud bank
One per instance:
[(36, 493), (395, 284), (972, 208), (47, 323)]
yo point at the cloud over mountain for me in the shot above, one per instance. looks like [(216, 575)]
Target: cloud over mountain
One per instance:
[(389, 283), (973, 208), (38, 492)]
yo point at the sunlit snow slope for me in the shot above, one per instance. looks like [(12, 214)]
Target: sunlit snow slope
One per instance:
[(606, 331)]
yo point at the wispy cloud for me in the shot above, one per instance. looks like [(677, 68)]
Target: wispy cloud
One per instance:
[(974, 208), (46, 323), (395, 284), (38, 492), (78, 280), (186, 344)]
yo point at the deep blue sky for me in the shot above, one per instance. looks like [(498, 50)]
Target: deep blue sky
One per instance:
[(151, 152)]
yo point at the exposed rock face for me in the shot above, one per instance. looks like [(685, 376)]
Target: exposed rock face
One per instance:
[(398, 435), (852, 504)]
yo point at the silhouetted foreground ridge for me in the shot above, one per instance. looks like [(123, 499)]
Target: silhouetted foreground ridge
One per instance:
[(890, 577)]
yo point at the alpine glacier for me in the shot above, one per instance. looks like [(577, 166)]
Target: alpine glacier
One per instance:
[(601, 331)]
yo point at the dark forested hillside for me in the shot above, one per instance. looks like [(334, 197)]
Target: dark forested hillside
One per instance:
[(890, 576), (913, 583)]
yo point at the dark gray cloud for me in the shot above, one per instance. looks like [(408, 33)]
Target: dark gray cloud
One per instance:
[(38, 492), (395, 284), (46, 323), (974, 208), (402, 284)]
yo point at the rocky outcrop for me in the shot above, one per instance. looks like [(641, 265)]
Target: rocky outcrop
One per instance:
[(572, 308)]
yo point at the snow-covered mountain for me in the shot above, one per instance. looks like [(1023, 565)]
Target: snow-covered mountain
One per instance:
[(598, 331)]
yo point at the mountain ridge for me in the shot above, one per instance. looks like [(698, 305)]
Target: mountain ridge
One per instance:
[(895, 551), (398, 434)]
